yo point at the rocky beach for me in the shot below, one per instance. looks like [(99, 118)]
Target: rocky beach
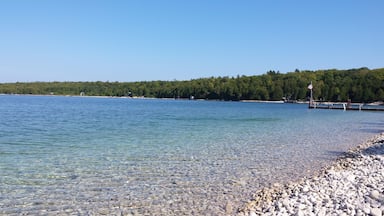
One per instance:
[(353, 185)]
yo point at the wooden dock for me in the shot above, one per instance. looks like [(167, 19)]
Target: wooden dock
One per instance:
[(377, 106), (346, 106)]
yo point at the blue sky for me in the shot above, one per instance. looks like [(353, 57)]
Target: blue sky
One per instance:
[(138, 40)]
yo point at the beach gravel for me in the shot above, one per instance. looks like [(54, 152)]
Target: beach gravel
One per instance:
[(353, 185)]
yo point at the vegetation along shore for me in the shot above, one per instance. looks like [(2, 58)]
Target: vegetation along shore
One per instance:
[(358, 85)]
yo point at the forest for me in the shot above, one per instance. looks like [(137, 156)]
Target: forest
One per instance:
[(359, 85)]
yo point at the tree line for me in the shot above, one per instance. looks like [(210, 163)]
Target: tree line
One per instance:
[(359, 85)]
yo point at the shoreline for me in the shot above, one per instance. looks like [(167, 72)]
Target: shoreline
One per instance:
[(352, 185)]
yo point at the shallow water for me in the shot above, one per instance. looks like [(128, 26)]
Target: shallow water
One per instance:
[(81, 155)]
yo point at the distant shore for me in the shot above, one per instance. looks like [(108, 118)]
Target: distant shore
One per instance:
[(353, 185)]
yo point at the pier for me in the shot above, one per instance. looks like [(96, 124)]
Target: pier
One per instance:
[(376, 106), (346, 106)]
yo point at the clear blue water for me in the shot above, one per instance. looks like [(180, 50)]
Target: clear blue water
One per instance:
[(81, 155)]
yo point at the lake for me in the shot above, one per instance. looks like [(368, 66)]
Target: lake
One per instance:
[(89, 155)]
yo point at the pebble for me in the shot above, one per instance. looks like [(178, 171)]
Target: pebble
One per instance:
[(300, 213), (351, 186), (286, 203), (228, 208), (375, 195), (305, 189), (103, 211), (376, 212)]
